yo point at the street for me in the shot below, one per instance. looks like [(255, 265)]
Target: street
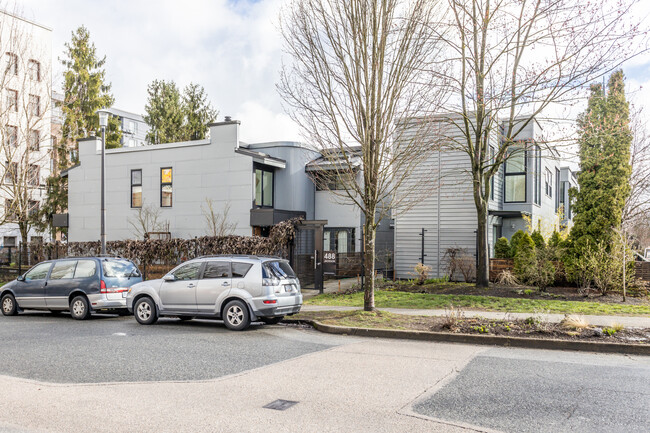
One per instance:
[(111, 374)]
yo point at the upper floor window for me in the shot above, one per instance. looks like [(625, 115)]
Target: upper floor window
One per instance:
[(11, 173), (136, 188), (492, 153), (515, 176), (34, 175), (34, 105), (166, 187), (548, 182), (12, 100), (33, 209), (537, 176), (34, 70), (12, 64), (12, 136), (34, 139), (263, 187)]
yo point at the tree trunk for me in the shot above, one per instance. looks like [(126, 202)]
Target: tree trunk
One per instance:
[(369, 235), (483, 264)]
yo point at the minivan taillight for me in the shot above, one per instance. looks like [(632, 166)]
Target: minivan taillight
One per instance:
[(102, 287)]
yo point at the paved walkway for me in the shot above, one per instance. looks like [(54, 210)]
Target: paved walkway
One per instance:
[(639, 322)]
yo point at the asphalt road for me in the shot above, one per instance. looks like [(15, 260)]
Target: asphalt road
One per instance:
[(108, 348), (542, 391)]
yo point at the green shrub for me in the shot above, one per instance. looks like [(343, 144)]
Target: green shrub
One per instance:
[(525, 259), (555, 240), (514, 242), (538, 239), (502, 248)]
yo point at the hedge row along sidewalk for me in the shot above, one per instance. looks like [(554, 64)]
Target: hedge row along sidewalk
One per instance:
[(396, 299), (571, 334)]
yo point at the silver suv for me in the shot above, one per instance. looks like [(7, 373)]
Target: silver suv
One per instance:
[(235, 289)]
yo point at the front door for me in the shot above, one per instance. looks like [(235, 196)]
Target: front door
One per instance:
[(30, 293), (216, 280), (180, 294)]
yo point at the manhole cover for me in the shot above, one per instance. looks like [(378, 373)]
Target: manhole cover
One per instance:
[(280, 404)]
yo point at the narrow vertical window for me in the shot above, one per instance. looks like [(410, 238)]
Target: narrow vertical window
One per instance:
[(136, 188), (166, 187), (11, 173), (34, 70), (12, 100), (34, 105), (263, 187), (515, 177), (34, 139), (34, 175), (494, 175), (12, 136), (12, 64)]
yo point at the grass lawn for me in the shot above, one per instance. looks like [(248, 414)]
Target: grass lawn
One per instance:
[(395, 299)]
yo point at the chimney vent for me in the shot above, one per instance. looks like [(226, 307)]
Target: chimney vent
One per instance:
[(228, 119)]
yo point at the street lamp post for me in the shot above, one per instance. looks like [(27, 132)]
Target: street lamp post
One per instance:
[(103, 122)]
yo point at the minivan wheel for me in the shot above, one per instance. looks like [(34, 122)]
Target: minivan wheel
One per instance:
[(145, 311), (79, 308), (272, 320), (9, 307), (235, 316)]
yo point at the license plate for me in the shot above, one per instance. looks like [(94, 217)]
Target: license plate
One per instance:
[(124, 294)]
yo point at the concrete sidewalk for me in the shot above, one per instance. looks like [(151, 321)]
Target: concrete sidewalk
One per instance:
[(628, 321)]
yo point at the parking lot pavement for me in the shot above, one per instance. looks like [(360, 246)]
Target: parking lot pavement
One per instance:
[(538, 391)]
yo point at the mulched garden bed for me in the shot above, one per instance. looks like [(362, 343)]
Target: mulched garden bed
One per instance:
[(454, 322)]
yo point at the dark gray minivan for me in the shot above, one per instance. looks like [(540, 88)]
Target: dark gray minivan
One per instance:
[(81, 285)]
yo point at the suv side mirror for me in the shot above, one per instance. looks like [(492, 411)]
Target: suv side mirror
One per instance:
[(21, 278), (169, 278)]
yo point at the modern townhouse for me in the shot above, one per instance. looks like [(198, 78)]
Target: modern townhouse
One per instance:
[(134, 128), (530, 190), (25, 122)]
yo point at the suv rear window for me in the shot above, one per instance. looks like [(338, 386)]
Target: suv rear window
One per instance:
[(239, 270), (278, 270), (119, 269)]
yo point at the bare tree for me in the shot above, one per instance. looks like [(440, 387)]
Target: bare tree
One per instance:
[(25, 118), (147, 220), (637, 206), (217, 223), (514, 59), (358, 68)]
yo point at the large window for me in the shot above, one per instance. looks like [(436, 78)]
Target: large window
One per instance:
[(166, 187), (515, 177), (263, 187), (340, 240), (34, 70), (136, 188), (537, 176)]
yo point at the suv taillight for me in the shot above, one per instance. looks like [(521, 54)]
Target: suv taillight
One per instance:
[(102, 287)]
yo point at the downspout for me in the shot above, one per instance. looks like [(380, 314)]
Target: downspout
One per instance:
[(438, 211)]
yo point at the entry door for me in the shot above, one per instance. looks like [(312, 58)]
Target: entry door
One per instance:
[(308, 254), (31, 292), (216, 280), (180, 294)]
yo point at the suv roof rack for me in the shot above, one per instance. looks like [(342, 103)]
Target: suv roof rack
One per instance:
[(247, 256), (98, 256)]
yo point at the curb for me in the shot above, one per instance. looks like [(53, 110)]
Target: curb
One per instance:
[(492, 340)]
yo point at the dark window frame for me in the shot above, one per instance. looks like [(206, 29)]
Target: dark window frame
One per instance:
[(140, 185), (34, 144), (13, 63), (164, 184), (34, 105), (548, 182), (263, 169), (12, 103), (518, 173), (12, 133), (38, 69), (492, 155), (557, 189)]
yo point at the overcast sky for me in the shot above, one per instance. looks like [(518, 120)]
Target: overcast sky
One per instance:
[(232, 48)]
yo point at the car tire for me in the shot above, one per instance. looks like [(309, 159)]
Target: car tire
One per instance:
[(145, 312), (185, 318), (9, 306), (79, 308), (235, 316), (272, 320)]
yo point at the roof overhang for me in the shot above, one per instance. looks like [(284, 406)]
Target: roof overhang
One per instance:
[(64, 173), (508, 213), (262, 158)]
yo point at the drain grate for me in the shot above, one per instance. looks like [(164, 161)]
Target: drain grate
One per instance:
[(280, 404)]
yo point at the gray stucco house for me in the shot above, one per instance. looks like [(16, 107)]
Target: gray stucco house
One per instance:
[(532, 185)]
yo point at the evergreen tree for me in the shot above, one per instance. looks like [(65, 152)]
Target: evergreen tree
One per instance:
[(113, 133), (603, 180), (198, 112), (164, 113)]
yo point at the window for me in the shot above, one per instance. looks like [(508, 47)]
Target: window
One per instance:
[(217, 269), (63, 270), (340, 240), (33, 208), (12, 136), (263, 187), (557, 190), (34, 105), (189, 271), (34, 70), (33, 175), (279, 269), (85, 269), (239, 270), (492, 153), (11, 175), (136, 188), (9, 241), (548, 182), (38, 272), (12, 64), (10, 210), (537, 176), (34, 139), (12, 100), (515, 177), (329, 181), (166, 187)]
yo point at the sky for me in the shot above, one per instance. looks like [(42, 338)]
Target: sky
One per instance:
[(231, 47)]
